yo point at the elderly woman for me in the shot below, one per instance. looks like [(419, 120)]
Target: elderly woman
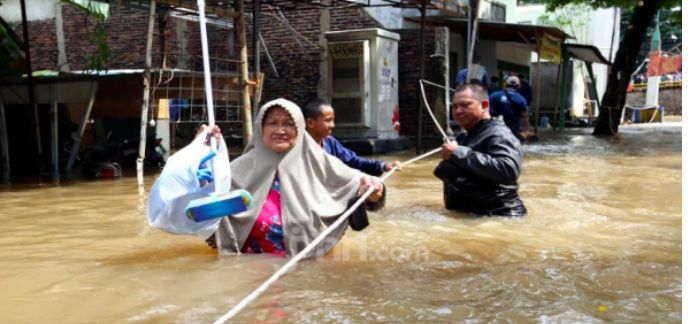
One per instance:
[(298, 189)]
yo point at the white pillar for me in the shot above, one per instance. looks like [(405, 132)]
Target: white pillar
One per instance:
[(652, 92)]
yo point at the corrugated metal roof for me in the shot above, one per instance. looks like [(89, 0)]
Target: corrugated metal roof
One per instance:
[(586, 53)]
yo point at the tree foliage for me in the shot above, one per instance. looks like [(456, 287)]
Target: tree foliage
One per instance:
[(553, 4), (670, 18), (571, 19), (11, 56), (670, 29)]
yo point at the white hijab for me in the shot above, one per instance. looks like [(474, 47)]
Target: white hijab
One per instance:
[(315, 188)]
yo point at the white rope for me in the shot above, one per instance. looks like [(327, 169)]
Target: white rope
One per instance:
[(424, 98), (415, 159), (439, 85), (288, 265), (431, 114)]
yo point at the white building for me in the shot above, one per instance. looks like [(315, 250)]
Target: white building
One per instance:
[(597, 27)]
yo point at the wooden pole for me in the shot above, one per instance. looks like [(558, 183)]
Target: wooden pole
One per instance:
[(145, 100), (564, 77), (54, 150), (257, 48), (539, 81), (80, 132), (423, 13), (241, 38), (60, 38)]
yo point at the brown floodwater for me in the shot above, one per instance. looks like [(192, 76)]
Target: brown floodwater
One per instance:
[(601, 242)]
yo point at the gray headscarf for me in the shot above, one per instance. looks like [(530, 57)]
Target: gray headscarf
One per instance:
[(315, 188)]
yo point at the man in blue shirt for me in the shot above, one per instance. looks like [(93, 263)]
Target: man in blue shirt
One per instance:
[(319, 120), (525, 90), (513, 108), (478, 74)]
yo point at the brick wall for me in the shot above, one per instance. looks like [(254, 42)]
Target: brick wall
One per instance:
[(44, 50), (409, 73), (297, 59), (125, 35)]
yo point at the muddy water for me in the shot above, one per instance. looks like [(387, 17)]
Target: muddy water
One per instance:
[(602, 242)]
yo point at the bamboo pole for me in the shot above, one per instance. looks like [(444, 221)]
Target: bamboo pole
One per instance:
[(563, 81), (54, 150), (241, 38), (423, 14), (257, 51), (145, 100), (60, 38), (539, 81), (80, 132)]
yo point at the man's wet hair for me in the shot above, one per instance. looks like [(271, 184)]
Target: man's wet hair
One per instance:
[(314, 108), (478, 90)]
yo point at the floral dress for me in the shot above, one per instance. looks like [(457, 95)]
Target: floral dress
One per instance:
[(267, 233)]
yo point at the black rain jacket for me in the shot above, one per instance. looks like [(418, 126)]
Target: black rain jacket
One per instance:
[(481, 175)]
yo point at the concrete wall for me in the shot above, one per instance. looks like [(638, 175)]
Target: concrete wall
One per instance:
[(11, 11), (670, 98), (604, 22)]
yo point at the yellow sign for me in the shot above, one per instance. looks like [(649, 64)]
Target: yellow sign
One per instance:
[(163, 106), (550, 48)]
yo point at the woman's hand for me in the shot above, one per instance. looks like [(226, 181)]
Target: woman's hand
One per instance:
[(395, 164), (366, 182), (204, 131)]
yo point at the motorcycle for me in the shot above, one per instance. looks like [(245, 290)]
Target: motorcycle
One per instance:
[(106, 159)]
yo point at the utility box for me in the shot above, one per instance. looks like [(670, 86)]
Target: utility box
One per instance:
[(362, 85)]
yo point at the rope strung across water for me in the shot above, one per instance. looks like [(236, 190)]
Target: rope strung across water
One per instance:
[(288, 265)]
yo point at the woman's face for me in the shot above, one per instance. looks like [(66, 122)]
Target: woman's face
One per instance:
[(279, 130)]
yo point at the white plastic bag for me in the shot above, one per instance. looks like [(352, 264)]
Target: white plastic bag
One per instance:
[(178, 184)]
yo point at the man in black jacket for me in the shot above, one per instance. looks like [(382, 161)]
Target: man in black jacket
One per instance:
[(481, 170)]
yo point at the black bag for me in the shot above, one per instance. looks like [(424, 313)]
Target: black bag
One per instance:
[(358, 219)]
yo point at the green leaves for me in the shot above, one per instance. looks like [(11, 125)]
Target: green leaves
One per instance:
[(98, 60)]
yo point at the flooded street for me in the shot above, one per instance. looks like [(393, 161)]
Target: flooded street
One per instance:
[(601, 242)]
